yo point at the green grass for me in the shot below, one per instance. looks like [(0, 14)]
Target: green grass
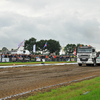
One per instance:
[(74, 91), (23, 63)]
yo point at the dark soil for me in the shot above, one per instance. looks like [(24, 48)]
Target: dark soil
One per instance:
[(17, 80)]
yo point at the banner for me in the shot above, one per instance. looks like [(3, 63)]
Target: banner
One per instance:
[(13, 59), (72, 59), (34, 48), (27, 59), (5, 59), (38, 59), (20, 59), (75, 51), (43, 60)]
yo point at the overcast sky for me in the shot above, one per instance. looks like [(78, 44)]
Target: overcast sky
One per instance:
[(67, 21)]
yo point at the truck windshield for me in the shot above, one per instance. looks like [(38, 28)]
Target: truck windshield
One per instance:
[(83, 50)]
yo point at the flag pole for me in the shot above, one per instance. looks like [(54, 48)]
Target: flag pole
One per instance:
[(24, 47)]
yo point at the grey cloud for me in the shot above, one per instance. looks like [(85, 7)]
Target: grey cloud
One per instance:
[(63, 21), (35, 4), (6, 20)]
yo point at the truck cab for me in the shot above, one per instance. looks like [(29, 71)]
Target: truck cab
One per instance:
[(86, 55)]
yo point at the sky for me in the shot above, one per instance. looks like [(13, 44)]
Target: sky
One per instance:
[(66, 21)]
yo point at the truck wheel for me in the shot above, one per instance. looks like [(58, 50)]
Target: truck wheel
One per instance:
[(80, 64), (94, 64)]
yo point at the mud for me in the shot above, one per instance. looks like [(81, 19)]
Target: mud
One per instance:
[(17, 80)]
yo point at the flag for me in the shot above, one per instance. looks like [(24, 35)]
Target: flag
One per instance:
[(75, 51), (34, 48), (62, 49), (45, 45), (21, 44)]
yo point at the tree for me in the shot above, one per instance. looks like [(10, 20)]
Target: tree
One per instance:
[(79, 45), (53, 46), (40, 44), (4, 49), (29, 44), (69, 48)]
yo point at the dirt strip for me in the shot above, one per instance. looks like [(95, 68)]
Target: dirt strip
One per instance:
[(17, 80)]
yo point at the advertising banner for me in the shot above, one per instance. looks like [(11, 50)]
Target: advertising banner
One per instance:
[(38, 59), (5, 59), (72, 59), (27, 59), (43, 60), (34, 48), (13, 59), (20, 59)]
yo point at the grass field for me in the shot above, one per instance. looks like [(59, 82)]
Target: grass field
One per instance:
[(24, 63), (84, 90)]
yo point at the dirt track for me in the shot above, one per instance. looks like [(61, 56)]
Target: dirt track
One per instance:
[(22, 79)]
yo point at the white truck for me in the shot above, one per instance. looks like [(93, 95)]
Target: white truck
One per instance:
[(86, 55)]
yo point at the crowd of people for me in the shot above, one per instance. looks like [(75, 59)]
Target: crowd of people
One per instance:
[(33, 57)]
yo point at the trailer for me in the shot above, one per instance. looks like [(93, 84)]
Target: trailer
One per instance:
[(87, 55)]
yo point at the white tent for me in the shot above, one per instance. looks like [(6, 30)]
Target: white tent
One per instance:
[(22, 52)]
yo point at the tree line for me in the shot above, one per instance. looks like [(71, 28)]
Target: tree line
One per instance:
[(53, 46)]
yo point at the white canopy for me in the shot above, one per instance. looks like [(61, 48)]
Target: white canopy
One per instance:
[(22, 52)]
